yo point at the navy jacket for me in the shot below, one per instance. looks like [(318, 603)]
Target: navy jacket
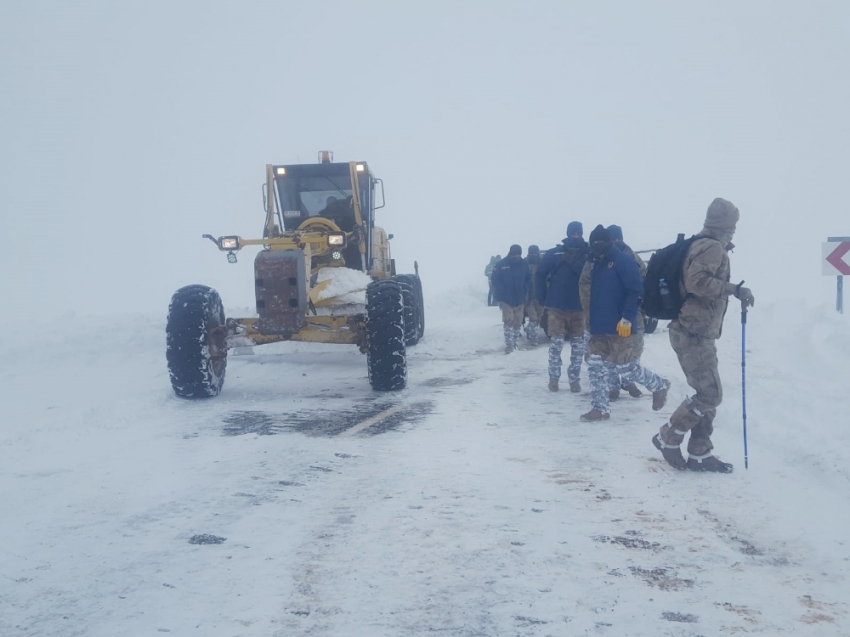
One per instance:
[(511, 280), (615, 290), (556, 281)]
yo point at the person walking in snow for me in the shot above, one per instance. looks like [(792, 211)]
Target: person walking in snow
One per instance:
[(488, 272), (511, 284), (612, 292), (706, 289), (616, 233), (533, 307), (556, 287)]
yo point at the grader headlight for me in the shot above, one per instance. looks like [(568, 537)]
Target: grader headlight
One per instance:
[(228, 243), (336, 239)]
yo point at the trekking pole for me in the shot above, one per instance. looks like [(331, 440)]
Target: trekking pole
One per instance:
[(744, 375)]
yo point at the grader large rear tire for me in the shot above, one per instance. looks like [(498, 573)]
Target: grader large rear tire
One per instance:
[(420, 299), (414, 307), (386, 356), (195, 353)]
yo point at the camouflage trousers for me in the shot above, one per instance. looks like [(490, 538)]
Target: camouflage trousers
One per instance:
[(563, 325), (533, 310), (578, 346), (698, 358), (511, 336), (636, 343), (512, 320), (511, 315), (566, 323), (611, 361), (636, 375)]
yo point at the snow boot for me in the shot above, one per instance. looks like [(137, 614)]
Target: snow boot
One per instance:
[(672, 454), (633, 390), (594, 415), (575, 386), (553, 384), (659, 398), (509, 349), (614, 394), (708, 463)]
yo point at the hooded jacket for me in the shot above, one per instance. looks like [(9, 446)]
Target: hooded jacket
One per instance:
[(706, 272), (614, 291), (556, 280), (511, 280)]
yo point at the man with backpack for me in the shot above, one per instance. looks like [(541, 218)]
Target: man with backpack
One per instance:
[(695, 275), (511, 283), (611, 291), (556, 287)]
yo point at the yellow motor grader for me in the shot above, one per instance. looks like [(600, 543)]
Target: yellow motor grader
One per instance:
[(324, 274)]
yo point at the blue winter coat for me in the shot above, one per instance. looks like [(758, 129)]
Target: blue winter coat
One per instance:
[(556, 281), (615, 290), (511, 280)]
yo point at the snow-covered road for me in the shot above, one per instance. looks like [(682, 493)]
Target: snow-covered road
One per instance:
[(473, 503)]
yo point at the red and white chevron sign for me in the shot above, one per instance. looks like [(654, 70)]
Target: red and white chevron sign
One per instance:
[(836, 258)]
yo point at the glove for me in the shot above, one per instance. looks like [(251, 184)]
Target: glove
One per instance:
[(624, 328), (745, 296)]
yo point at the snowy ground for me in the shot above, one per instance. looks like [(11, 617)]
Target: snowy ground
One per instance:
[(479, 506)]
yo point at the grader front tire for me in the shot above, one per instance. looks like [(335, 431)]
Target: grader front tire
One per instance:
[(386, 356), (196, 362)]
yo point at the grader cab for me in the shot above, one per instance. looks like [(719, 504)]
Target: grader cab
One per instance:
[(323, 274)]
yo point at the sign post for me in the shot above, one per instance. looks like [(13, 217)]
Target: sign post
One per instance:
[(836, 261)]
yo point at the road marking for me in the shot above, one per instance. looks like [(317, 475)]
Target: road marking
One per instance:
[(365, 424)]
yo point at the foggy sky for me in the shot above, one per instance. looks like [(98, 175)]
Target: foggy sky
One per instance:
[(128, 129)]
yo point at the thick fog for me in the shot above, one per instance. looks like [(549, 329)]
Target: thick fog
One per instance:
[(128, 129)]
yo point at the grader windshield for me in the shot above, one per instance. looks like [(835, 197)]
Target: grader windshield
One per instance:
[(320, 190)]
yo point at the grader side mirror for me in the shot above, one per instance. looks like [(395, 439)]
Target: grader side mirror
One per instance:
[(380, 182)]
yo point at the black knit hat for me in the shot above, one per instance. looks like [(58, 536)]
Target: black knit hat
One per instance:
[(616, 233), (533, 249), (575, 227), (515, 249), (600, 233)]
